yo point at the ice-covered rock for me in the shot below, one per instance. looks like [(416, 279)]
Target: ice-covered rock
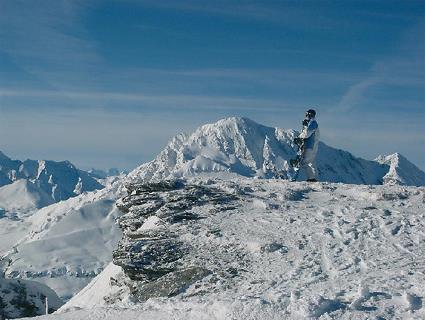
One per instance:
[(152, 252), (401, 171)]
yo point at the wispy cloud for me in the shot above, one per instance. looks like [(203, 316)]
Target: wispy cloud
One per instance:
[(45, 38), (147, 101), (404, 68)]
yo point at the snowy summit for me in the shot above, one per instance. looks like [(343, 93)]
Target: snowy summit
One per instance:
[(244, 147)]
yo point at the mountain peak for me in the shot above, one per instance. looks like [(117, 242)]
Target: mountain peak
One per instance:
[(230, 127), (245, 147), (401, 171), (242, 121), (234, 144)]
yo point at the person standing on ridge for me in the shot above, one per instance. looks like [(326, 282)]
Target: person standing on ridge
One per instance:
[(310, 135)]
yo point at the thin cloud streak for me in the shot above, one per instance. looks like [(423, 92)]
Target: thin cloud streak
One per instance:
[(153, 101), (405, 68), (46, 38)]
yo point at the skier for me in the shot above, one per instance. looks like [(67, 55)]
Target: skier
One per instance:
[(310, 137)]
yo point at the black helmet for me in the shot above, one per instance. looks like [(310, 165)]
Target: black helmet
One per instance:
[(310, 113)]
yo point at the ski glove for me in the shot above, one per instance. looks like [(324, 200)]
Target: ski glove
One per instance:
[(298, 141)]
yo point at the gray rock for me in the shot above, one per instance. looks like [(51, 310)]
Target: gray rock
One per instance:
[(154, 260)]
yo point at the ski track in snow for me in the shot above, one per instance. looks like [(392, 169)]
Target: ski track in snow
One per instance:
[(298, 251)]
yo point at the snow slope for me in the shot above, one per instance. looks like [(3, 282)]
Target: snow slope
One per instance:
[(23, 196), (273, 250), (250, 149), (68, 243)]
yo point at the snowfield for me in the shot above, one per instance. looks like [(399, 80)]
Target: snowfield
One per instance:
[(66, 244), (278, 250)]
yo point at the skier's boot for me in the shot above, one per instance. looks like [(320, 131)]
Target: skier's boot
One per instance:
[(311, 180)]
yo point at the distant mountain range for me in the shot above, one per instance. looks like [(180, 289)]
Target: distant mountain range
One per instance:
[(34, 184)]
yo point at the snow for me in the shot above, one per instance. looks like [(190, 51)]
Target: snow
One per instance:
[(23, 196), (92, 294), (60, 180), (401, 171), (287, 251), (67, 244)]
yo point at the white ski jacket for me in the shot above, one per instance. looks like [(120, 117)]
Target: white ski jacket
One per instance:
[(311, 134)]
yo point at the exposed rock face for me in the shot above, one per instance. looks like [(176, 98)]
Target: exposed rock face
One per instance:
[(153, 250)]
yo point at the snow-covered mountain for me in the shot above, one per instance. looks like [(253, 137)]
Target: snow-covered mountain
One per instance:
[(22, 196), (59, 180), (245, 147), (74, 239), (239, 248)]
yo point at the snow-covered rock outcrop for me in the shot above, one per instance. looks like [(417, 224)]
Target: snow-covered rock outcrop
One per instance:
[(21, 298), (240, 248), (401, 171), (242, 146)]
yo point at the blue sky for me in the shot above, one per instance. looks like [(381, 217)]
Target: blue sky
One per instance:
[(107, 83)]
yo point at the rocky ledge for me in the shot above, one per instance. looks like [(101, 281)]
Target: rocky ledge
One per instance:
[(159, 220)]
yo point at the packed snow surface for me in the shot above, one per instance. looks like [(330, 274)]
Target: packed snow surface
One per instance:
[(283, 250)]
